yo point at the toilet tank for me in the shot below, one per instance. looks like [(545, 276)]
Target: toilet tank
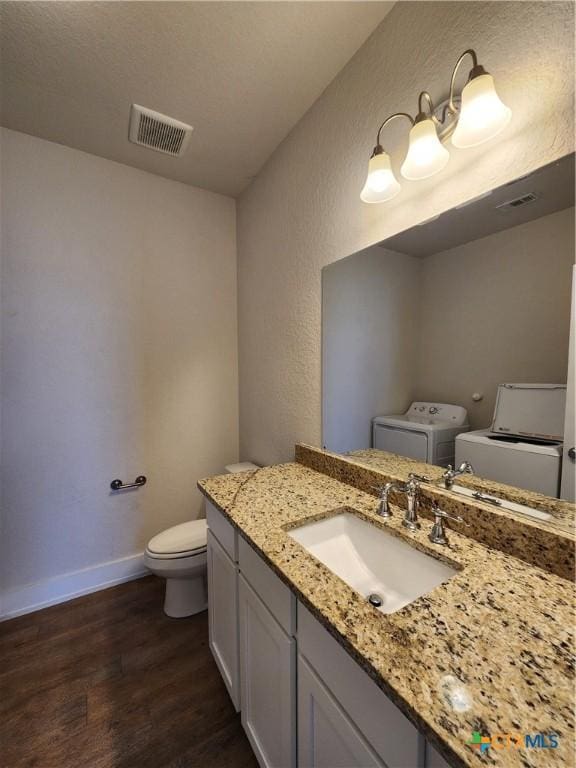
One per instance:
[(243, 466)]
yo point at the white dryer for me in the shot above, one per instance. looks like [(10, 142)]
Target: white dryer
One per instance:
[(426, 432)]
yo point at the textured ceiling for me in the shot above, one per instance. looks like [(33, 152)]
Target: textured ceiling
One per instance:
[(242, 73)]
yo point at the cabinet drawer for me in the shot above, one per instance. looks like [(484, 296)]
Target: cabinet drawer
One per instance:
[(222, 530), (274, 593), (387, 730)]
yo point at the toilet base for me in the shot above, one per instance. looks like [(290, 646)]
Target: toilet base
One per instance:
[(185, 597)]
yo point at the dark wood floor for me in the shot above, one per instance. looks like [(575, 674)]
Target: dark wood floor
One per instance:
[(108, 681)]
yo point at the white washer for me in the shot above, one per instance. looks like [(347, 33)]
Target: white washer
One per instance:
[(426, 432), (523, 447), (525, 465)]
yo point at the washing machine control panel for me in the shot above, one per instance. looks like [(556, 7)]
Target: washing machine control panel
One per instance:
[(436, 413)]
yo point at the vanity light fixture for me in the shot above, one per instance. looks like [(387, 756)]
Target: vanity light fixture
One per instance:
[(474, 117)]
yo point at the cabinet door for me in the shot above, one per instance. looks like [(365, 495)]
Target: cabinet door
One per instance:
[(390, 734), (434, 759), (267, 674), (327, 738), (223, 616)]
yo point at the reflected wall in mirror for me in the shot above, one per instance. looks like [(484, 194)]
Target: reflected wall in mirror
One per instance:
[(421, 332)]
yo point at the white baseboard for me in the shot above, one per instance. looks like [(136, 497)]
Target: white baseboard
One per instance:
[(33, 597)]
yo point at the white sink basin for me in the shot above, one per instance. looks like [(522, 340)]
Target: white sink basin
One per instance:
[(512, 506), (372, 561)]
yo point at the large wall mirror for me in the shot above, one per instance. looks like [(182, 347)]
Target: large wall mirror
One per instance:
[(450, 342)]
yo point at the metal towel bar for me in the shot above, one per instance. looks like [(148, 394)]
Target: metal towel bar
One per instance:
[(118, 485)]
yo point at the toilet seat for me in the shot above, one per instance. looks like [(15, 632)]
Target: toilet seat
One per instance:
[(179, 542)]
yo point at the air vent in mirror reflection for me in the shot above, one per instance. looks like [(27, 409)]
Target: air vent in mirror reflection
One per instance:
[(530, 197)]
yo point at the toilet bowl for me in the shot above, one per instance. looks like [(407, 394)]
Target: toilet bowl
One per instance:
[(178, 555)]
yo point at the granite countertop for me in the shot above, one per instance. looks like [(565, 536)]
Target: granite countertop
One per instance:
[(563, 512), (500, 628), (540, 543)]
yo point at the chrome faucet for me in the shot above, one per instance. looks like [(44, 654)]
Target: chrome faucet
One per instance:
[(451, 474)]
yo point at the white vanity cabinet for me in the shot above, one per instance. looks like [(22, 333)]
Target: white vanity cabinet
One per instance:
[(223, 600), (303, 700)]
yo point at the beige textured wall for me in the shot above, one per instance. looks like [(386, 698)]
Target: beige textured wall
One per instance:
[(119, 355), (370, 321), (303, 210), (496, 310)]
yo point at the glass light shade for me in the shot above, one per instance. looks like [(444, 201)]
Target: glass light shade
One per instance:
[(381, 184), (426, 155), (482, 114)]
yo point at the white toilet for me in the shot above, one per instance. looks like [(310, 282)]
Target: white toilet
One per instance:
[(178, 555)]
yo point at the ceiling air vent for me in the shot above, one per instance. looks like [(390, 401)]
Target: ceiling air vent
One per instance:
[(160, 132), (517, 202)]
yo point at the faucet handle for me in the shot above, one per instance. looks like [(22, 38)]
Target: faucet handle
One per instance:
[(387, 487), (438, 533), (384, 490), (419, 478), (439, 514)]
